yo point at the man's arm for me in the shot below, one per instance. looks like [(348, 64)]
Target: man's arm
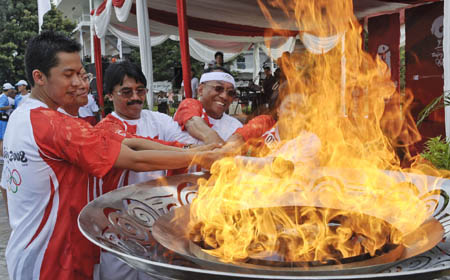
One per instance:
[(198, 128), (140, 144), (5, 108), (234, 145), (190, 118), (140, 161)]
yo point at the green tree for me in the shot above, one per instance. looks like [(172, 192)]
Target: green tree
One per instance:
[(19, 22), (166, 57), (54, 20)]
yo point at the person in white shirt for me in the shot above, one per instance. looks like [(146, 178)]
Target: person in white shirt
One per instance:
[(125, 85), (89, 111), (194, 86), (206, 119), (22, 93)]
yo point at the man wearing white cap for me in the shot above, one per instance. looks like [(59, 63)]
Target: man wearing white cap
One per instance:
[(5, 108), (205, 119), (23, 93)]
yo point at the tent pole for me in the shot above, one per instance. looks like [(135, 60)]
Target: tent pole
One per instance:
[(446, 45), (99, 72), (92, 32), (256, 63), (343, 76), (184, 47), (145, 47)]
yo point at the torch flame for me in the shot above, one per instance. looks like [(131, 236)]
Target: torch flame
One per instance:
[(335, 125)]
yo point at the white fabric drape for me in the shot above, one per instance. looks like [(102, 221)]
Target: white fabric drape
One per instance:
[(446, 45), (319, 45), (101, 21), (43, 7), (276, 51), (133, 39), (123, 12), (145, 44), (202, 45), (203, 52)]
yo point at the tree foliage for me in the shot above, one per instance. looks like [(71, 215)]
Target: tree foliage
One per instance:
[(166, 58), (18, 23)]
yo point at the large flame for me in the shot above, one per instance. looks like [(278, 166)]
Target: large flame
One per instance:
[(335, 126)]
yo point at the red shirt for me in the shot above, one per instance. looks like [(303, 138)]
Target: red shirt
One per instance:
[(189, 108), (46, 173), (256, 127)]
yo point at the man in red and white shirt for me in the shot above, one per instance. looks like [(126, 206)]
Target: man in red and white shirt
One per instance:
[(126, 85), (46, 169)]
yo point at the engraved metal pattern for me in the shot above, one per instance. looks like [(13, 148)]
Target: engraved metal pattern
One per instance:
[(121, 222)]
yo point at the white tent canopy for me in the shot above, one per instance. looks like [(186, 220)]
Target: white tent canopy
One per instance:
[(122, 22), (230, 26)]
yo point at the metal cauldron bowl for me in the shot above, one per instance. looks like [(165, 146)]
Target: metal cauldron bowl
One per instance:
[(121, 222)]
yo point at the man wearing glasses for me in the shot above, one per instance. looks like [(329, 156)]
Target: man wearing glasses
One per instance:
[(205, 119), (125, 85)]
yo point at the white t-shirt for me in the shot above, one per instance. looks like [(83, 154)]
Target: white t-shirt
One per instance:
[(225, 127), (11, 103), (194, 86), (89, 109)]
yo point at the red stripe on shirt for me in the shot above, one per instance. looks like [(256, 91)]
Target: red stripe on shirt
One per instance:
[(46, 213)]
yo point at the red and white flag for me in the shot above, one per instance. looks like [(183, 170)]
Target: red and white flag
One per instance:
[(43, 7)]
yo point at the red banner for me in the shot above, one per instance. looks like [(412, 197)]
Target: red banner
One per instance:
[(384, 41), (424, 62)]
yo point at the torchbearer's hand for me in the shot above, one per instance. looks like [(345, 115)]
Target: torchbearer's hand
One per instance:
[(206, 159), (202, 148)]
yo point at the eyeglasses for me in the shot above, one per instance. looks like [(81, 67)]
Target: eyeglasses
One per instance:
[(219, 89), (128, 92), (86, 78)]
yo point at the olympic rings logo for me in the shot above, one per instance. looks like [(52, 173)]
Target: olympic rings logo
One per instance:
[(14, 180)]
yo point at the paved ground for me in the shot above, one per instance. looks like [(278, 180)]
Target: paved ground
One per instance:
[(4, 236)]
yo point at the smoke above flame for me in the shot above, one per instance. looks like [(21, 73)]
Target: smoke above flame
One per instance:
[(343, 124)]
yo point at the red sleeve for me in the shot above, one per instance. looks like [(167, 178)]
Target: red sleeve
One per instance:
[(187, 109), (61, 137), (116, 126), (168, 143), (256, 127)]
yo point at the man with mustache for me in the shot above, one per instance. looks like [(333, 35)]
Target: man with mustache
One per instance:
[(125, 85)]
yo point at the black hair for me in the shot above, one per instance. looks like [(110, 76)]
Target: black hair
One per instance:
[(116, 72), (218, 53), (217, 69), (42, 50), (266, 67)]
